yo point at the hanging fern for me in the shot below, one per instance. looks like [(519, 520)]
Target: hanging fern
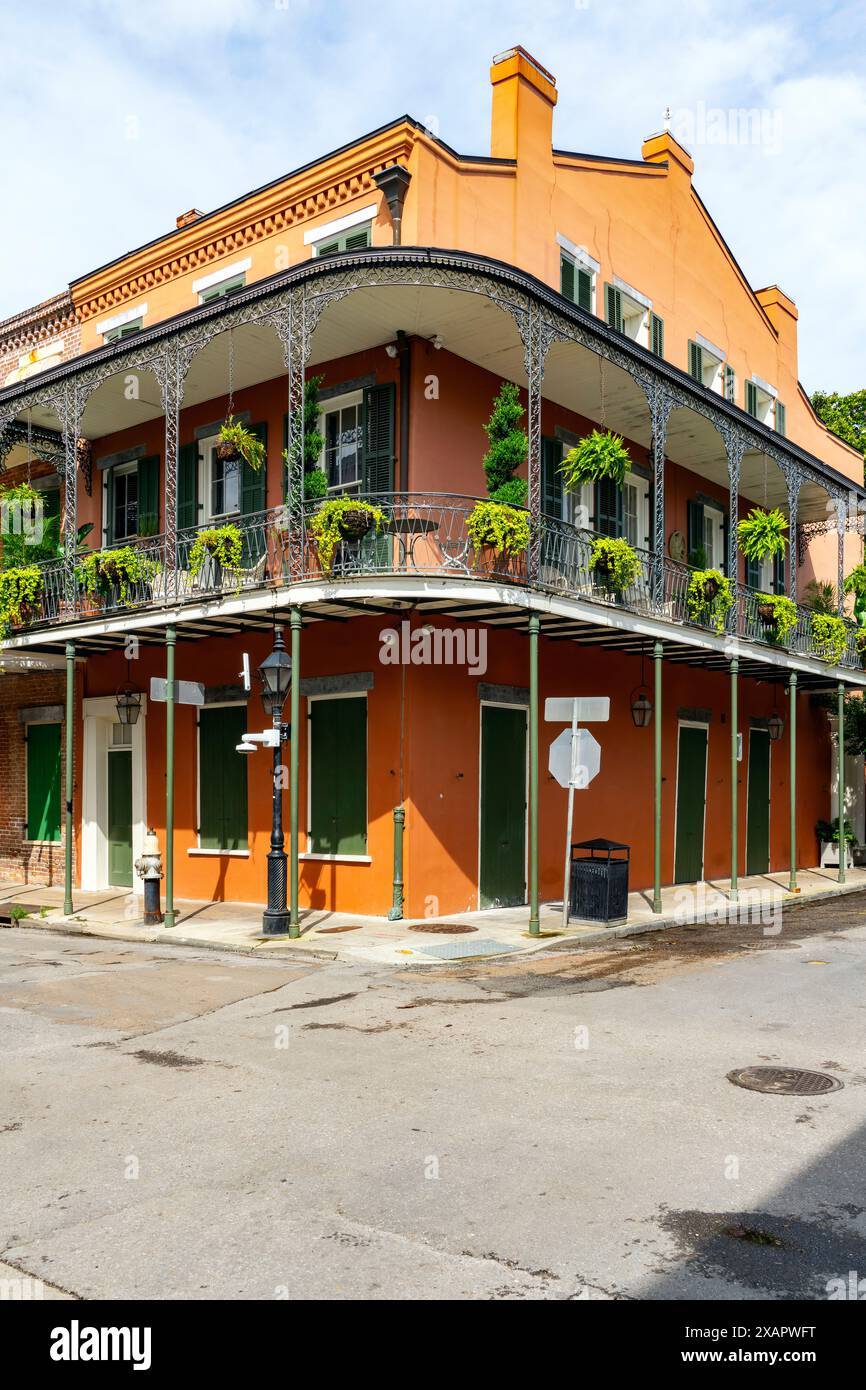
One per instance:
[(762, 533), (601, 455)]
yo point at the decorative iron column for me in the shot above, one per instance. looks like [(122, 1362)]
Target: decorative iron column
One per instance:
[(658, 653), (792, 777), (794, 480), (70, 777), (173, 375), (396, 912), (661, 404), (294, 333), (735, 447), (294, 762), (170, 637), (840, 551), (69, 409), (840, 736), (534, 921), (735, 667), (537, 336)]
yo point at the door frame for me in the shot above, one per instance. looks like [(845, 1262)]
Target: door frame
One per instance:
[(692, 724), (99, 715), (503, 704), (765, 733)]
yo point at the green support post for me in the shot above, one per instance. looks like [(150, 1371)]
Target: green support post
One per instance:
[(534, 920), (658, 651), (70, 777), (396, 913), (841, 746), (735, 667), (170, 637), (294, 757), (792, 776)]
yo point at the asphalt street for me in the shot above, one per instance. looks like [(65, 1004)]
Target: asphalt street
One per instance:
[(187, 1124)]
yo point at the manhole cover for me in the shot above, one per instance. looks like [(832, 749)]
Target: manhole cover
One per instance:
[(445, 928), (784, 1081), (331, 931)]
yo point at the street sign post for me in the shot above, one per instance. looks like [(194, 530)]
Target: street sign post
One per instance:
[(185, 692), (574, 759)]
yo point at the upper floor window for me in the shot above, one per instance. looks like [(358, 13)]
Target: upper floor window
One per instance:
[(578, 274), (343, 451), (781, 419), (707, 365), (629, 312), (221, 481), (346, 241), (761, 401), (130, 497), (352, 232), (125, 331), (222, 282), (123, 325)]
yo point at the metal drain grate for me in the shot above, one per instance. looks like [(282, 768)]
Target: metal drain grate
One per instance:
[(455, 950), (445, 928), (784, 1081)]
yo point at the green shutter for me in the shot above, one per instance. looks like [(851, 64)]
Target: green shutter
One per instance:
[(657, 335), (730, 383), (779, 574), (694, 531), (357, 240), (751, 398), (551, 478), (780, 418), (584, 290), (108, 496), (379, 438), (148, 496), (567, 277), (753, 573), (696, 362), (608, 508), (187, 486), (253, 480), (613, 306), (222, 778), (338, 776), (43, 781)]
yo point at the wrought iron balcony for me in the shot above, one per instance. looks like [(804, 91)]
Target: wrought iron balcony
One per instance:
[(421, 535)]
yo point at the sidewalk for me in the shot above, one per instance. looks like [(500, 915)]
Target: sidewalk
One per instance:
[(330, 936)]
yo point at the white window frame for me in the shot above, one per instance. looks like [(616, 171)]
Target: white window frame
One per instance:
[(205, 481), (767, 396), (582, 261), (642, 485), (714, 375), (218, 277), (636, 312), (326, 231), (107, 326), (714, 514), (117, 470), (336, 858), (331, 406), (198, 849)]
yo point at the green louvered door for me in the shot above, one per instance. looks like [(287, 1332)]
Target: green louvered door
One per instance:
[(148, 496), (758, 803), (378, 436), (608, 508), (338, 775), (253, 485), (120, 817), (691, 804), (187, 500), (502, 828), (43, 781), (222, 778)]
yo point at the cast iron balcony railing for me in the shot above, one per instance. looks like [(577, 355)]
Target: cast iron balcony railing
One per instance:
[(422, 535)]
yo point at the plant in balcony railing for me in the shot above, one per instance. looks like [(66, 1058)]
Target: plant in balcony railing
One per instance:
[(615, 563), (762, 534), (499, 527), (829, 636), (855, 583), (122, 571), (343, 518), (709, 598), (20, 592), (820, 597), (778, 614), (508, 448), (220, 547), (312, 442), (860, 644), (601, 456), (238, 442)]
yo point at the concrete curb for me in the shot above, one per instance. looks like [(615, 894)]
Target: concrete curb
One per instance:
[(152, 938)]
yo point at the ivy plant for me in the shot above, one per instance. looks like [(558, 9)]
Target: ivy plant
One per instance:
[(496, 524), (762, 534), (860, 644), (336, 519), (313, 441), (829, 636), (222, 544), (784, 614), (20, 591), (709, 598), (101, 572), (236, 441), (615, 561), (508, 444), (601, 456)]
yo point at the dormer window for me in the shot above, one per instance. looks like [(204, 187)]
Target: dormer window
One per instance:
[(127, 330), (707, 365), (578, 274), (761, 401)]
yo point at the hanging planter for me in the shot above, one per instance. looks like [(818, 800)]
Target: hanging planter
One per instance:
[(615, 563), (216, 550), (709, 598), (601, 456), (339, 519), (778, 615), (117, 576), (762, 534), (20, 592), (829, 636), (236, 442), (355, 522)]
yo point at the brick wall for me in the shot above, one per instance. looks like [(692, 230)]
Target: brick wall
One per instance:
[(21, 862), (39, 337)]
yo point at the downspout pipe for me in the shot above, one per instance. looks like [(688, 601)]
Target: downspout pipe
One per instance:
[(394, 182), (404, 354), (70, 778)]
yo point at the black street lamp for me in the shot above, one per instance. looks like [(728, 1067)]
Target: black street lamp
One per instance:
[(275, 674)]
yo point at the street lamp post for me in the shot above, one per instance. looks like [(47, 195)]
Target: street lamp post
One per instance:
[(275, 674)]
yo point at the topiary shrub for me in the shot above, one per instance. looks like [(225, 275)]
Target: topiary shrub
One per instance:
[(508, 442)]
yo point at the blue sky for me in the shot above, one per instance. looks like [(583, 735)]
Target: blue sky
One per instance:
[(123, 113)]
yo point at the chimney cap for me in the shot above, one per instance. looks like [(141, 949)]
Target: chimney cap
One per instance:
[(518, 51), (186, 218)]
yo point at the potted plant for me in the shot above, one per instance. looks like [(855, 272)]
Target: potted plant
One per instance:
[(855, 583), (20, 592), (615, 563), (499, 533), (709, 598), (829, 636), (339, 519), (827, 832), (601, 455), (115, 575), (820, 596), (507, 450), (761, 534), (238, 442), (778, 614), (218, 550), (860, 644)]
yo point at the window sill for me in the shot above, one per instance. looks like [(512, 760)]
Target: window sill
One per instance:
[(338, 858), (220, 853)]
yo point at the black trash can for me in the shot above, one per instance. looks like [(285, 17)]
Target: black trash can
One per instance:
[(599, 881)]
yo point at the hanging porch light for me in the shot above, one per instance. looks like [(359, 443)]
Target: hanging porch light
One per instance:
[(775, 725), (640, 702), (128, 703)]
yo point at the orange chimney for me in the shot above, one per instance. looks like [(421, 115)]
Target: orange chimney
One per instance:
[(524, 95), (187, 217)]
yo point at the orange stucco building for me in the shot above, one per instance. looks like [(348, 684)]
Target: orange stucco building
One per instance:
[(410, 281)]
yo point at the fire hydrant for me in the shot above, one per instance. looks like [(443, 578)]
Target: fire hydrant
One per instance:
[(149, 867)]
